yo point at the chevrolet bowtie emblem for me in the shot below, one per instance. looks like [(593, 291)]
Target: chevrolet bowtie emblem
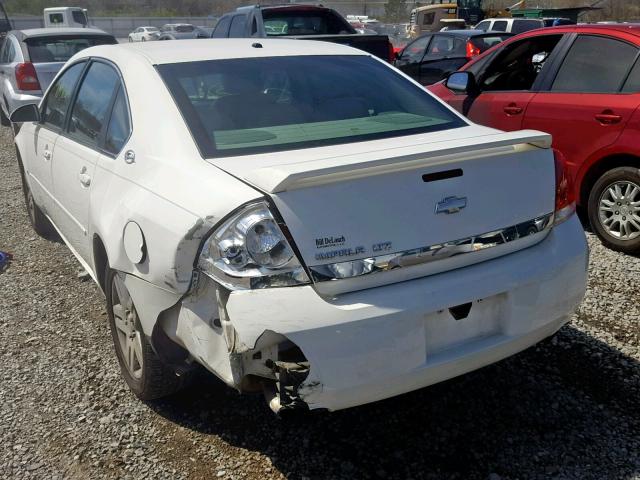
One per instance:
[(451, 205)]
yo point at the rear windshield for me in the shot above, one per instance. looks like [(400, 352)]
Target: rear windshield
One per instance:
[(61, 49), (185, 28), (313, 22), (485, 43), (244, 106)]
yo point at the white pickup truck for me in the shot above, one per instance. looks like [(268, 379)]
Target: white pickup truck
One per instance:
[(332, 239)]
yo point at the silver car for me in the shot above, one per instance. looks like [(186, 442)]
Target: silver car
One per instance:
[(29, 59)]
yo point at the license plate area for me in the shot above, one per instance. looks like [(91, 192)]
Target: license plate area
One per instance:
[(451, 328)]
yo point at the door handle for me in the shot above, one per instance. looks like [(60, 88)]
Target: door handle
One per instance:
[(47, 155), (608, 118), (512, 109), (85, 178)]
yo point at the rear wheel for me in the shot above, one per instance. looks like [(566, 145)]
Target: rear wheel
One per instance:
[(144, 39), (38, 220), (614, 209), (141, 368), (4, 120)]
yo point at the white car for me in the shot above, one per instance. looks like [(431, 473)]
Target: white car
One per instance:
[(144, 34), (330, 239)]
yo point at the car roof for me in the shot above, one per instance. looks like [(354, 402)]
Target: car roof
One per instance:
[(283, 6), (158, 53), (472, 33), (56, 32), (611, 29)]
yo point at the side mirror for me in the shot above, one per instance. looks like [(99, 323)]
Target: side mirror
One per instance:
[(26, 113), (462, 82)]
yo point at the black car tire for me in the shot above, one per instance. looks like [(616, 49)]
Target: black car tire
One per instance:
[(4, 120), (153, 379), (39, 222), (617, 176)]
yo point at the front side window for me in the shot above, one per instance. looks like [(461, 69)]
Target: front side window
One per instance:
[(237, 26), (185, 28), (518, 64), (300, 22), (222, 28), (595, 65), (119, 125), (632, 85), (484, 26), (92, 103), (57, 100), (242, 106), (428, 18), (61, 49)]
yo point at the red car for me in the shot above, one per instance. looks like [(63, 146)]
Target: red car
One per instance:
[(580, 83)]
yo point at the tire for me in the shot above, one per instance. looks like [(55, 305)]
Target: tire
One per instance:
[(147, 377), (39, 222), (4, 120), (144, 39), (130, 40), (614, 209)]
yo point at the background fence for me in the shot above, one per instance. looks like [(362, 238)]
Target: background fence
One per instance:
[(119, 26)]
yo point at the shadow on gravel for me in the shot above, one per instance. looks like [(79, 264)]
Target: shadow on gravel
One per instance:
[(567, 408)]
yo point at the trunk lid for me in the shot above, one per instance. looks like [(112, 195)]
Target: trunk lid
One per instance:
[(383, 199)]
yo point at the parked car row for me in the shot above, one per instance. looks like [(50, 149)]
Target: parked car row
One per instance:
[(169, 31)]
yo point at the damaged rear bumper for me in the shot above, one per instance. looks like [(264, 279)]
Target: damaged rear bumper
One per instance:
[(377, 343)]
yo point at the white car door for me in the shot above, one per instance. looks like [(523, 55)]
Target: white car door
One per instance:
[(77, 151), (40, 158)]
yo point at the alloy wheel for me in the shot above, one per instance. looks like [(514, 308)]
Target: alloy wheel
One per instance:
[(127, 327), (619, 210)]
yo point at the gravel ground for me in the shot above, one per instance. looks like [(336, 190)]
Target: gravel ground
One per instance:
[(567, 408)]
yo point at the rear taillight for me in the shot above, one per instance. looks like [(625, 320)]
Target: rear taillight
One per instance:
[(26, 77), (391, 53), (472, 50), (565, 194)]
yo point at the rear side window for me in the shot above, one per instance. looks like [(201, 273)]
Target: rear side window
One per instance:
[(92, 103), (499, 26), (415, 51), (119, 125), (595, 65), (185, 28), (443, 45), (61, 49), (520, 26), (56, 18), (59, 96), (237, 26), (222, 28), (9, 52)]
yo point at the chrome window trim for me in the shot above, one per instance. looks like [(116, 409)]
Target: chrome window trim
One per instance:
[(430, 253)]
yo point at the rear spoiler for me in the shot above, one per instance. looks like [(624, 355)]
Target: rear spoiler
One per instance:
[(292, 176)]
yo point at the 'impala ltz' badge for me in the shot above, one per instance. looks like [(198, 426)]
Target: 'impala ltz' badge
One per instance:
[(451, 205)]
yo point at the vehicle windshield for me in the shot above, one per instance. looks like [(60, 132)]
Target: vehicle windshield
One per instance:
[(185, 28), (245, 106), (61, 49), (300, 22)]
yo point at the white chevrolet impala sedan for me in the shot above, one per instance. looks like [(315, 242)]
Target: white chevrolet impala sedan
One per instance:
[(299, 218)]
